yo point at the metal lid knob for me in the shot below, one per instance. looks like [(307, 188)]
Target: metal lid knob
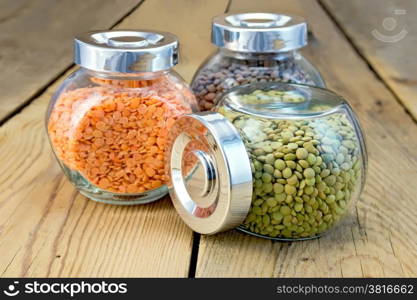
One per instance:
[(126, 51), (259, 32), (210, 178)]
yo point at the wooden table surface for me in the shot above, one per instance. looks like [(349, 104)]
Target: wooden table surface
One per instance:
[(48, 229)]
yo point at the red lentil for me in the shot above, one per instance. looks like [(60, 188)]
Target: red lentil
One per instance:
[(114, 132)]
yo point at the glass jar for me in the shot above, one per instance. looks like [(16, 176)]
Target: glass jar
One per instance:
[(254, 47), (108, 122), (280, 161)]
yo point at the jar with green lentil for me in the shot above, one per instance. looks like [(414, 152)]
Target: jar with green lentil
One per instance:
[(280, 161)]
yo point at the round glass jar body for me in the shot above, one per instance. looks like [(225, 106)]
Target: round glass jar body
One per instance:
[(108, 132), (303, 147), (307, 158), (227, 69)]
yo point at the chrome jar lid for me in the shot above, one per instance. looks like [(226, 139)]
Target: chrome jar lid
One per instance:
[(259, 32), (126, 51), (209, 173)]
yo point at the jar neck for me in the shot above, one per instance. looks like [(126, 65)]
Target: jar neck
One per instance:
[(257, 55), (127, 76)]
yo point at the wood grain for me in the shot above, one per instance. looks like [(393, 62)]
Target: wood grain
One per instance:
[(36, 41), (48, 229), (393, 59), (379, 238)]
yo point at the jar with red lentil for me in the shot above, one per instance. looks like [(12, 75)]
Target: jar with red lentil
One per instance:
[(108, 122), (254, 47)]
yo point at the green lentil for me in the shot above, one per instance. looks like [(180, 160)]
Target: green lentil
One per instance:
[(309, 173), (311, 159), (285, 210), (267, 187), (291, 164), (305, 171), (266, 177), (271, 202), (290, 190), (277, 173), (286, 173), (277, 216), (280, 164), (298, 207), (293, 180), (310, 181), (303, 163), (269, 169), (269, 159), (280, 197), (278, 188), (301, 153)]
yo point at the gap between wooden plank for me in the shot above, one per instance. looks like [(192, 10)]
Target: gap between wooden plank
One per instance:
[(360, 53), (196, 235), (194, 255)]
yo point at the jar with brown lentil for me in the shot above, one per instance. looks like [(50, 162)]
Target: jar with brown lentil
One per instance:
[(279, 161), (254, 47), (108, 122)]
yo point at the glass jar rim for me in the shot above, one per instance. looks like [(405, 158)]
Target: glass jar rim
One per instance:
[(318, 102)]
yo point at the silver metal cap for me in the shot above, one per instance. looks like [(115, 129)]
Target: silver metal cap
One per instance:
[(126, 51), (209, 173), (259, 32)]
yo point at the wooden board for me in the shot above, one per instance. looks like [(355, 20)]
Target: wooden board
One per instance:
[(48, 229), (380, 237), (36, 41), (385, 33)]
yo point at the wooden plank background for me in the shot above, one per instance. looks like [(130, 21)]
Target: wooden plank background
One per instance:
[(48, 229), (395, 62)]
